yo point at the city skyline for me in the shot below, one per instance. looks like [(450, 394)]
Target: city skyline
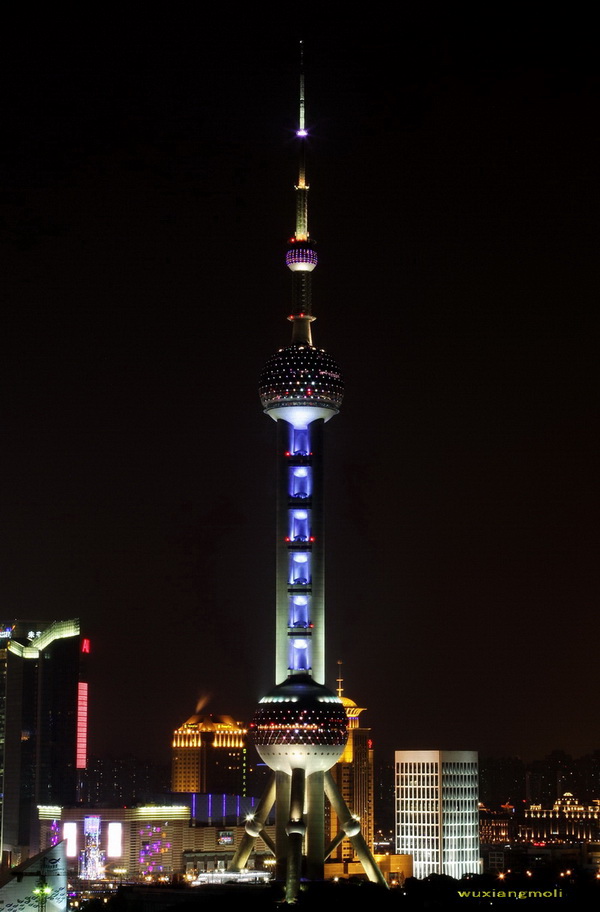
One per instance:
[(455, 194)]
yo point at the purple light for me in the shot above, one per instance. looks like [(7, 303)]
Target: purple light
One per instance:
[(301, 255), (301, 132)]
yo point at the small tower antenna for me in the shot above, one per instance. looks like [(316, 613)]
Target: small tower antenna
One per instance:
[(340, 680), (301, 125)]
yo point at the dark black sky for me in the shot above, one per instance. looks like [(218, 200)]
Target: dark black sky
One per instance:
[(146, 195)]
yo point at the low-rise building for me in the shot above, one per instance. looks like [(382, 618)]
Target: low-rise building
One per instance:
[(566, 821)]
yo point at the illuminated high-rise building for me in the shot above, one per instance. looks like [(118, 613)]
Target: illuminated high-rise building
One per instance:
[(43, 725), (353, 775), (300, 727), (210, 755), (437, 816)]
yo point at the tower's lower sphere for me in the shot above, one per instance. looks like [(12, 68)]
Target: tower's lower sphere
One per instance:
[(300, 725)]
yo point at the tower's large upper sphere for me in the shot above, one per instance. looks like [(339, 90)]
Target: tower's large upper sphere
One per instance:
[(300, 725), (301, 375)]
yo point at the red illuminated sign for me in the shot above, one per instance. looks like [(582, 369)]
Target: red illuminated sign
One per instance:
[(82, 724)]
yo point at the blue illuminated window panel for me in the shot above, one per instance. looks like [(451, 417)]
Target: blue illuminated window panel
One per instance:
[(299, 525), (300, 482), (299, 568), (299, 654), (299, 611)]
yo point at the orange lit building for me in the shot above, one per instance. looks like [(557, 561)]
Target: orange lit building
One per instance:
[(353, 774), (210, 755)]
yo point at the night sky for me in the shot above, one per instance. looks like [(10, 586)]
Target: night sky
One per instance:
[(146, 197)]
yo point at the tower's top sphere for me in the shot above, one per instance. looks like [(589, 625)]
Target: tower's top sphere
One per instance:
[(301, 375), (300, 724), (301, 256)]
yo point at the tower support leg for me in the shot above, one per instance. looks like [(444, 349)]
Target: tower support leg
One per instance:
[(351, 827), (254, 826)]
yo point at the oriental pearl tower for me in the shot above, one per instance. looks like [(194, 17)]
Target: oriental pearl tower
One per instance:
[(300, 726)]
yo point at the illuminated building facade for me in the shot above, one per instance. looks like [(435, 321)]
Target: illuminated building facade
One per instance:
[(92, 857), (300, 727), (210, 755), (496, 827), (353, 775), (437, 819), (148, 842), (43, 724), (568, 820), (145, 840)]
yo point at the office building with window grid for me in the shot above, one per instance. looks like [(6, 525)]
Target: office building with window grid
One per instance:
[(437, 821)]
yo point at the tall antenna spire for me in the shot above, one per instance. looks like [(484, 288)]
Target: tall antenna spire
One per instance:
[(301, 256), (302, 186), (301, 130)]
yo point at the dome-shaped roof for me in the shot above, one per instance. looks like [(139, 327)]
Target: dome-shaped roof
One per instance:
[(207, 722), (301, 375)]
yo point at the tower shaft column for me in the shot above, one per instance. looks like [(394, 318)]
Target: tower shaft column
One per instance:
[(282, 805), (300, 595), (318, 553), (282, 554), (315, 827), (296, 829)]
